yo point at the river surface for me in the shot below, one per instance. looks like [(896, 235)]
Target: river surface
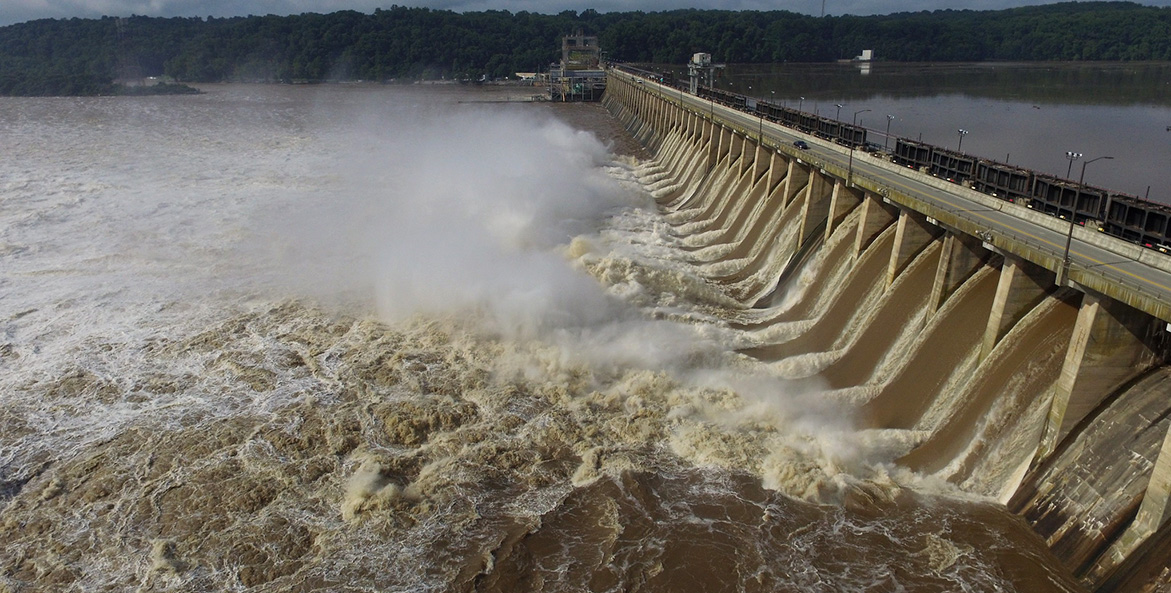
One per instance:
[(364, 338), (1027, 115)]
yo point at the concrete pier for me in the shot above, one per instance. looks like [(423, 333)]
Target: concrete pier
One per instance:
[(877, 215), (1112, 343), (1023, 285), (961, 257)]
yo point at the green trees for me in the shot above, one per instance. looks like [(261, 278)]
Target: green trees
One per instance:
[(88, 56)]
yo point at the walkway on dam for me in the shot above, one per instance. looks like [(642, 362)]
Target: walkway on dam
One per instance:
[(1142, 274)]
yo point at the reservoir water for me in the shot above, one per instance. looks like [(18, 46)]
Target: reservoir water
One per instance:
[(369, 338), (1027, 115)]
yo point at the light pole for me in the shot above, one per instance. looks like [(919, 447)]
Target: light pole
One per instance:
[(963, 133), (760, 129), (712, 96), (1072, 156), (839, 115), (850, 168), (801, 103), (1073, 216), (886, 142)]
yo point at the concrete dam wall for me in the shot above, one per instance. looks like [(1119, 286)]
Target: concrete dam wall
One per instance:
[(979, 366)]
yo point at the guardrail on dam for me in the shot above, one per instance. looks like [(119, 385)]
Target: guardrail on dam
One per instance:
[(950, 314)]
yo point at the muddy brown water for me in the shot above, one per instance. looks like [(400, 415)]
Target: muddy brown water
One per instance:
[(244, 360)]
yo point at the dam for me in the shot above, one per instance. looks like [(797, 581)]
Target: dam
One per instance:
[(308, 353), (1011, 353)]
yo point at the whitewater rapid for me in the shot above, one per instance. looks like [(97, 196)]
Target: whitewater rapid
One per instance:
[(366, 338)]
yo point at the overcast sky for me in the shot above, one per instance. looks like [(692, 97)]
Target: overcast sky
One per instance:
[(15, 11)]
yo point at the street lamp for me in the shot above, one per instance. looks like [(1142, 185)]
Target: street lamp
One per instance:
[(801, 103), (1073, 216), (963, 133), (1072, 156), (850, 167), (712, 97), (886, 142), (839, 115), (760, 129)]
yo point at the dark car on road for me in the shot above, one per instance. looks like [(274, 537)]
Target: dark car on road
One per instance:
[(801, 144)]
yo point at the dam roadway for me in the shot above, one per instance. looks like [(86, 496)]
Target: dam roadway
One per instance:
[(1130, 273), (947, 315)]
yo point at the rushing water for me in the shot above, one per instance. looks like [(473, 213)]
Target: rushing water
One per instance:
[(351, 338), (1028, 115)]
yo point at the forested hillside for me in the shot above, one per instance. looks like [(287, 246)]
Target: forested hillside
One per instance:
[(85, 56)]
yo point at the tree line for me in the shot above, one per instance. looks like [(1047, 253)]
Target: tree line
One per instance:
[(87, 56)]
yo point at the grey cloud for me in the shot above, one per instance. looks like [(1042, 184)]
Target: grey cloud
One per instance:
[(13, 11)]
